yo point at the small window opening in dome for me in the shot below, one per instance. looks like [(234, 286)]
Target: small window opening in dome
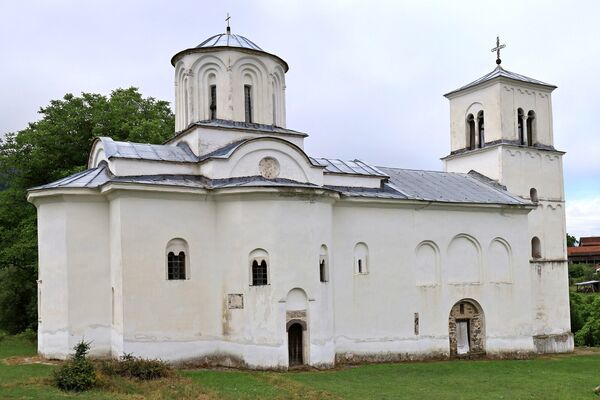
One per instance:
[(213, 101), (248, 102)]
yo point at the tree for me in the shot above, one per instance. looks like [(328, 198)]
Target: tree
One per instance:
[(49, 149), (571, 241)]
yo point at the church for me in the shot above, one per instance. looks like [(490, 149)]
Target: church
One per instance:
[(229, 245)]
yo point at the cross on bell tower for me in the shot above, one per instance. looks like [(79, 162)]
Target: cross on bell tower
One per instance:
[(228, 27), (497, 50)]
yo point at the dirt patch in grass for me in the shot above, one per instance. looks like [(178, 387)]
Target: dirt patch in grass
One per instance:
[(295, 390), (16, 360)]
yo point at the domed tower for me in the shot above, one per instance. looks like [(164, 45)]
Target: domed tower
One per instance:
[(229, 77)]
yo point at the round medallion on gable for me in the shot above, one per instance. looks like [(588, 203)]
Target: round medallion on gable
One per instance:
[(269, 168)]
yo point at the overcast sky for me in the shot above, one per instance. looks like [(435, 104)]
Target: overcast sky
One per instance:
[(366, 77)]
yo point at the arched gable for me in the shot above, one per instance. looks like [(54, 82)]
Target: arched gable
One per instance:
[(267, 157)]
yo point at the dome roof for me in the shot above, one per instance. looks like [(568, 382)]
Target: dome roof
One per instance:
[(229, 40)]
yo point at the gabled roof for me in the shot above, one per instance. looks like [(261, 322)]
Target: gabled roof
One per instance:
[(152, 152), (501, 72)]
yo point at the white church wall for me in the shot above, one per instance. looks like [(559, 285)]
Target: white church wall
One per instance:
[(53, 294), (74, 274), (292, 230), (486, 161), (134, 167), (89, 273), (183, 306), (391, 283)]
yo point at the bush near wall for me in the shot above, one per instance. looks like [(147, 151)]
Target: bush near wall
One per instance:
[(585, 318)]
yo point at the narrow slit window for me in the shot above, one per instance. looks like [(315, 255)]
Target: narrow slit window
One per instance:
[(481, 125), (530, 128), (360, 267), (322, 271), (471, 132), (213, 102), (259, 273), (248, 102), (520, 126), (176, 265)]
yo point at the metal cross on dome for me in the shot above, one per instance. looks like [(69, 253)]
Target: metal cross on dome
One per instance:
[(227, 20), (497, 50)]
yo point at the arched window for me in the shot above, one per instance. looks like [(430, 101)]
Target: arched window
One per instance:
[(259, 273), (323, 264), (248, 102), (536, 248), (177, 265), (259, 268), (470, 132), (533, 195), (520, 126), (361, 259), (481, 132), (530, 128)]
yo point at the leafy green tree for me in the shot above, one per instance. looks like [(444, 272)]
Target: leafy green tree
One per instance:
[(572, 241), (589, 334), (49, 149)]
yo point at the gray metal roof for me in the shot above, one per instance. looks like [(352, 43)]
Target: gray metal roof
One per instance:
[(403, 184), (247, 126), (153, 152), (355, 167), (90, 178), (448, 187), (501, 72), (229, 40)]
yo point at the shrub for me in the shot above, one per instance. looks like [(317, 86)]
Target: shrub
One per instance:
[(77, 374), (28, 334), (589, 333), (134, 367)]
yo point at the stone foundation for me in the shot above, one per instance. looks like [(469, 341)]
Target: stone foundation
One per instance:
[(562, 343)]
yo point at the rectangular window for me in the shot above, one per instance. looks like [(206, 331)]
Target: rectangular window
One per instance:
[(323, 271), (416, 323), (213, 102), (176, 266), (248, 102)]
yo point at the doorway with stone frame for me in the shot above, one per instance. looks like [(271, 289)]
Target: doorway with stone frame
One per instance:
[(466, 329)]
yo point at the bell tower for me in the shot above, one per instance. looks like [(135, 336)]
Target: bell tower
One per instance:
[(501, 127)]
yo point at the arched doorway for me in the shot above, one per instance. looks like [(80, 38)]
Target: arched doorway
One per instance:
[(466, 328), (295, 344)]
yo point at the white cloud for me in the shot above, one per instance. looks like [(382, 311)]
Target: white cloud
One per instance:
[(583, 217)]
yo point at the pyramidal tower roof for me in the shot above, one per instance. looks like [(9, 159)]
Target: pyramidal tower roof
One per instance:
[(500, 72)]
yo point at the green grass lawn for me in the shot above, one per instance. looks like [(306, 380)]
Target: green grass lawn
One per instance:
[(556, 377)]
